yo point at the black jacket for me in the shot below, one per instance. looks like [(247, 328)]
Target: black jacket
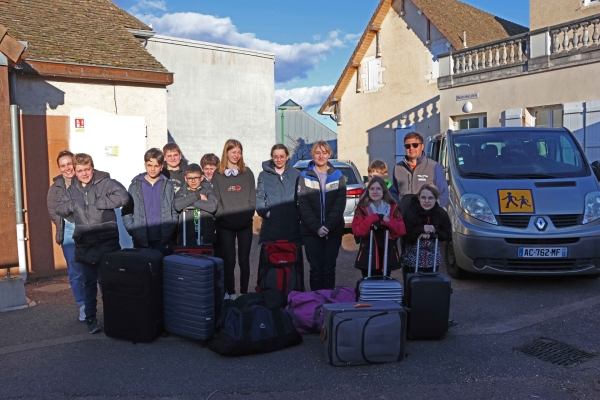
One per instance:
[(56, 190), (190, 201), (93, 210), (313, 213), (277, 194), (177, 177), (237, 199), (415, 219)]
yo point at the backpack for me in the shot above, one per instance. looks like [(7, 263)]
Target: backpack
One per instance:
[(254, 323), (305, 307), (280, 267)]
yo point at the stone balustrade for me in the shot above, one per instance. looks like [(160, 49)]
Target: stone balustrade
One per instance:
[(492, 55)]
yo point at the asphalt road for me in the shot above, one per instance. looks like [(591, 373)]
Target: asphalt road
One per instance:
[(46, 353)]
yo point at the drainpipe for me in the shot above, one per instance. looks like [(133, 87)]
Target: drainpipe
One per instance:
[(282, 121), (16, 154)]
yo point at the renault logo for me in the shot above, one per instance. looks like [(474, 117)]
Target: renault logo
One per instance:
[(541, 224)]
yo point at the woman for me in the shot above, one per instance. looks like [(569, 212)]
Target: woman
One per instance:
[(423, 219), (322, 201), (377, 211), (234, 186), (65, 228)]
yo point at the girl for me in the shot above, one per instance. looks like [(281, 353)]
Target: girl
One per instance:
[(322, 201), (377, 210), (233, 184), (423, 218)]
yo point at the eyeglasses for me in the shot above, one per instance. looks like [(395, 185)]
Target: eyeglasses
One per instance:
[(193, 178), (414, 145), (427, 199)]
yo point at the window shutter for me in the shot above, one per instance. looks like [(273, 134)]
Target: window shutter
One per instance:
[(592, 130), (373, 74), (573, 120), (513, 117)]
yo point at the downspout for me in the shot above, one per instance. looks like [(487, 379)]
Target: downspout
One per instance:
[(16, 154)]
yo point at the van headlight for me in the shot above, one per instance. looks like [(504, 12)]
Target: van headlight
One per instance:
[(591, 212), (478, 208)]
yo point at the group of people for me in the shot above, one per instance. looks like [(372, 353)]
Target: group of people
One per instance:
[(217, 199)]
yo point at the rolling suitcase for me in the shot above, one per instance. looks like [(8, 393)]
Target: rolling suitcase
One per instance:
[(375, 334), (376, 288), (193, 290), (199, 247), (427, 297), (132, 294)]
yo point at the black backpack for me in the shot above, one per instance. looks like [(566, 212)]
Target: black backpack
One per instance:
[(254, 323)]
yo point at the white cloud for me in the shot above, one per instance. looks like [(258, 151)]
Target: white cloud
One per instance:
[(307, 97), (145, 5), (292, 61)]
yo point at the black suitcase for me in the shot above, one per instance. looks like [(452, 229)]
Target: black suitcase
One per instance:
[(427, 297), (132, 294), (193, 290)]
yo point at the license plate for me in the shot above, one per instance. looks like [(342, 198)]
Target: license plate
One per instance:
[(542, 252)]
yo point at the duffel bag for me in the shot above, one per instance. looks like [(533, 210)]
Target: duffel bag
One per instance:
[(305, 307)]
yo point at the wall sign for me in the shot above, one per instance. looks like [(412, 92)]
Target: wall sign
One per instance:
[(468, 96)]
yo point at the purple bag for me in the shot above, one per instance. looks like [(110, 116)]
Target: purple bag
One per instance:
[(305, 307)]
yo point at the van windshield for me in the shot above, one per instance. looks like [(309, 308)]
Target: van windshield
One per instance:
[(534, 154)]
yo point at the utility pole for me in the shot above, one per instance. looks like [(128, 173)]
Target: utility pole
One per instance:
[(282, 121)]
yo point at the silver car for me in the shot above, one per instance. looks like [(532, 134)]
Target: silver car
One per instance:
[(354, 185), (522, 201)]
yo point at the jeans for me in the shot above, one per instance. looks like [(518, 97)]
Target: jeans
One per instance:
[(91, 276), (244, 242), (73, 267), (322, 254)]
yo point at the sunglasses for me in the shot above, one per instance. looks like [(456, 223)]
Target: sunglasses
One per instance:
[(414, 145)]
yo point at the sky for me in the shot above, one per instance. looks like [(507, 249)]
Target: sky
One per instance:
[(312, 40)]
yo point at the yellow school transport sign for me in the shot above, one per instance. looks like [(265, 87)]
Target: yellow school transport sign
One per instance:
[(516, 201)]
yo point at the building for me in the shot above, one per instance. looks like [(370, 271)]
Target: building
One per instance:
[(87, 84), (389, 86), (547, 77), (299, 131), (220, 92)]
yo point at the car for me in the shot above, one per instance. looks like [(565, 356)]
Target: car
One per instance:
[(354, 185), (523, 201)]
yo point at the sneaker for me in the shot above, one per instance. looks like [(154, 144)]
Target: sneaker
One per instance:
[(232, 296), (82, 313), (92, 324)]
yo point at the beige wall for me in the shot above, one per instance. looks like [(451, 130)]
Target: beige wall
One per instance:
[(543, 13), (527, 91), (369, 119)]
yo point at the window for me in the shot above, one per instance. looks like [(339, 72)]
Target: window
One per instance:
[(548, 117), (471, 122), (373, 75), (590, 2)]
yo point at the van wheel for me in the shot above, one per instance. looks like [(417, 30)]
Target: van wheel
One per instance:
[(451, 267)]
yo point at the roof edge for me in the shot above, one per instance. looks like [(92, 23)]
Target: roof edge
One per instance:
[(210, 46)]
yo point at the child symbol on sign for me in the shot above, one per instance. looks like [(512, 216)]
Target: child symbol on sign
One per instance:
[(510, 200), (524, 202)]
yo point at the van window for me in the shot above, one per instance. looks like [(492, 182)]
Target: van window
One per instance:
[(520, 154), (443, 160)]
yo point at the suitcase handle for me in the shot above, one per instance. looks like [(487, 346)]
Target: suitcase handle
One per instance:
[(362, 305), (199, 239), (431, 236), (385, 253)]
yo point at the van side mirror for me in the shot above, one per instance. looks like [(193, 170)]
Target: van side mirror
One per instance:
[(365, 179)]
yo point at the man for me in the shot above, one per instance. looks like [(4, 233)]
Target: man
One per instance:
[(416, 170), (174, 165), (91, 201), (149, 217)]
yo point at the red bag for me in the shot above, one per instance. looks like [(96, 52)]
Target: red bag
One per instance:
[(281, 267)]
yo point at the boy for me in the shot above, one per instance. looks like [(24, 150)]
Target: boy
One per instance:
[(199, 201), (209, 163), (90, 201), (379, 168), (174, 165), (149, 216)]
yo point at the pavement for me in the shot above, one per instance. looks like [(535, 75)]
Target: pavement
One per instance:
[(46, 353)]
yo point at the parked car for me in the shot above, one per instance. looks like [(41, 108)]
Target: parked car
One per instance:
[(354, 185), (522, 201)]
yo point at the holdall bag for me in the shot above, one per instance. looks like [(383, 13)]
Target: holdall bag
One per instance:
[(131, 282), (427, 297), (364, 333), (255, 323), (199, 247), (280, 267), (305, 307), (376, 288)]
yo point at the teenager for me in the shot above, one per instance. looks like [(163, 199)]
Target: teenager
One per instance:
[(149, 217), (209, 163), (322, 201), (174, 165), (377, 211), (90, 202), (234, 186), (199, 203), (66, 227)]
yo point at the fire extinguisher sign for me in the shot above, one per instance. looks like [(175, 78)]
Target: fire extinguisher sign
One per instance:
[(79, 125)]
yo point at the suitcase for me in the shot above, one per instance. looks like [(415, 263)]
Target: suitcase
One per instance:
[(199, 247), (131, 282), (427, 297), (280, 267), (376, 288), (193, 290), (376, 333)]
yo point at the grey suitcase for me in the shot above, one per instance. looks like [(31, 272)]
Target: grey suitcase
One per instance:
[(377, 288), (193, 290), (363, 333)]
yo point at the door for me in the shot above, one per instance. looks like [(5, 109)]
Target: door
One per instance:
[(401, 131)]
